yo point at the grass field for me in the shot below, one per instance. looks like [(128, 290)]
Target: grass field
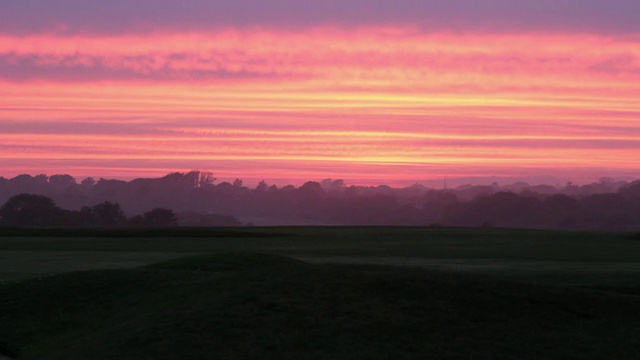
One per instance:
[(319, 293)]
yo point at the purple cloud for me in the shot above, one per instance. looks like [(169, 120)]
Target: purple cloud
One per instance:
[(131, 16), (80, 68)]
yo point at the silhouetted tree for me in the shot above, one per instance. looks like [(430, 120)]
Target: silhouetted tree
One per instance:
[(108, 214), (262, 186), (157, 217), (192, 179), (31, 211), (27, 184), (88, 182), (62, 182), (631, 191)]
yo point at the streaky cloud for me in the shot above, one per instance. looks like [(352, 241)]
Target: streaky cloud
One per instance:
[(272, 55), (80, 68)]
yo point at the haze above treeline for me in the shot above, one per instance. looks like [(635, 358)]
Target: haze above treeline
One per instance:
[(605, 205)]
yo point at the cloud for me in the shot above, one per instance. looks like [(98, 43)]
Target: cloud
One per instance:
[(626, 65), (357, 61), (131, 16), (82, 68)]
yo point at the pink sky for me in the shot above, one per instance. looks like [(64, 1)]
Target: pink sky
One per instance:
[(379, 100)]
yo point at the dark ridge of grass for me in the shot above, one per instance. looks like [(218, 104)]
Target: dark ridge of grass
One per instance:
[(268, 311), (225, 262), (126, 232)]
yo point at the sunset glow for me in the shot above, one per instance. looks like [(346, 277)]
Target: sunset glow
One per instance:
[(391, 103)]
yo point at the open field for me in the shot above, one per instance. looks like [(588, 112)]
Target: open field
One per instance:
[(573, 257), (320, 293)]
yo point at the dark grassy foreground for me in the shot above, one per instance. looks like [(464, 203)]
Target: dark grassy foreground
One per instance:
[(264, 306), (232, 303)]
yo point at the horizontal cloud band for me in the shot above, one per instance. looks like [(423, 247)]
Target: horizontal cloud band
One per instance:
[(368, 58), (134, 16)]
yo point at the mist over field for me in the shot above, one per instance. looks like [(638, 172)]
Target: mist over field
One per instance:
[(197, 199)]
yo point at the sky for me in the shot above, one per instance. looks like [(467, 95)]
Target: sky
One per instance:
[(369, 91)]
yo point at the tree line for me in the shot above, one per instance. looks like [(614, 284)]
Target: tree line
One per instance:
[(30, 210), (198, 200)]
